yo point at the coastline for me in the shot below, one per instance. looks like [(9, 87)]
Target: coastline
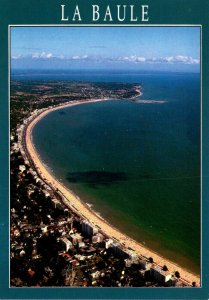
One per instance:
[(77, 205)]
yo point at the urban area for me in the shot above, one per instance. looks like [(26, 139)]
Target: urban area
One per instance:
[(51, 244)]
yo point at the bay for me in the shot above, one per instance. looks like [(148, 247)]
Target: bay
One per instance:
[(138, 164)]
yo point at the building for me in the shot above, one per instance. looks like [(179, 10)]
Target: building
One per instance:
[(128, 262), (160, 275), (108, 243), (68, 244), (44, 228), (132, 255), (81, 244), (95, 275), (119, 250), (57, 204), (172, 282), (76, 238), (88, 228), (22, 168), (97, 238), (145, 264)]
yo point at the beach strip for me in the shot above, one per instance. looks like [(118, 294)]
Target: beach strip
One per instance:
[(77, 205)]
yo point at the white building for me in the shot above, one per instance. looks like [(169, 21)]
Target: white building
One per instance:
[(44, 228), (76, 238), (97, 238), (68, 244), (95, 275), (108, 243), (81, 245), (22, 168), (160, 275)]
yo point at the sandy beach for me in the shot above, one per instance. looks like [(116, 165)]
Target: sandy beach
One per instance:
[(77, 205)]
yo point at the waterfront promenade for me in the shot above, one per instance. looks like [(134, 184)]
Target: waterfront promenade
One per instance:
[(86, 212)]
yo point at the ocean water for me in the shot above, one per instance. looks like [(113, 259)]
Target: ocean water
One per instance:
[(138, 164)]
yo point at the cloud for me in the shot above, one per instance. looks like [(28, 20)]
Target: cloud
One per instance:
[(181, 59), (187, 59), (43, 55), (132, 59), (77, 57), (16, 56)]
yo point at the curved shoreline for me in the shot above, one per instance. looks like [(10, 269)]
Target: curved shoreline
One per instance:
[(85, 211)]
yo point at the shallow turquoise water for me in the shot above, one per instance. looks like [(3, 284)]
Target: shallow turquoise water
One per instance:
[(139, 164)]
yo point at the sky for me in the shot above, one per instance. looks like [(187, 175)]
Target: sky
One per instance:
[(137, 48)]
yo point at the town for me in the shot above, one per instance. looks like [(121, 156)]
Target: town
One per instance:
[(51, 244)]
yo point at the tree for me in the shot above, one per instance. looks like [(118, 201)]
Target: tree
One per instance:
[(165, 268), (177, 274)]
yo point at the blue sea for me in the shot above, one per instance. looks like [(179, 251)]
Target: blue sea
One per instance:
[(138, 164)]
